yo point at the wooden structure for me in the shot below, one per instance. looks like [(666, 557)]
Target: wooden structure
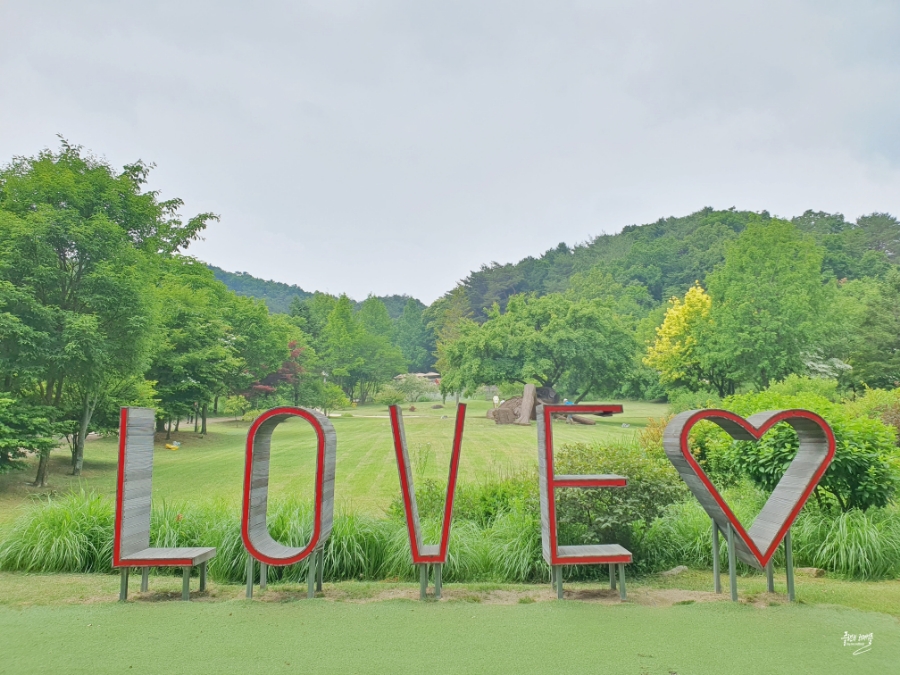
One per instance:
[(425, 555), (755, 546), (131, 540), (254, 531), (558, 556)]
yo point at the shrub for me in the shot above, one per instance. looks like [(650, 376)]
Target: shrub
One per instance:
[(797, 385), (865, 471), (682, 399), (480, 502), (390, 395), (682, 535), (606, 515)]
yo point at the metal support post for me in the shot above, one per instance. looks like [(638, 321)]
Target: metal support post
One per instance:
[(263, 576), (717, 581), (311, 576), (320, 571), (423, 581), (438, 580), (249, 575), (789, 565), (186, 583), (622, 580), (123, 584), (732, 571), (203, 577), (770, 577), (145, 579), (559, 582)]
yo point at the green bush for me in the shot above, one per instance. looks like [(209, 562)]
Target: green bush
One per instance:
[(798, 385), (606, 515), (865, 471), (683, 399), (683, 534)]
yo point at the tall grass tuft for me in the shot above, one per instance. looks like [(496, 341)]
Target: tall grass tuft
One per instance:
[(857, 544), (70, 534), (74, 533)]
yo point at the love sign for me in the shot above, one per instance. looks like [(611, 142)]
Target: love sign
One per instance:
[(754, 545)]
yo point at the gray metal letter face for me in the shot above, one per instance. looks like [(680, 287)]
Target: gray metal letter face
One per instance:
[(254, 530), (757, 545)]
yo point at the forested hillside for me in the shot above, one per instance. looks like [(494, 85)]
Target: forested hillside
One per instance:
[(667, 256), (277, 296)]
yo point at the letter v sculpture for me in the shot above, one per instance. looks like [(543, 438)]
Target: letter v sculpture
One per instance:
[(423, 554)]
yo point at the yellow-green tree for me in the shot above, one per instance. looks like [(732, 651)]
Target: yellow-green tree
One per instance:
[(683, 352)]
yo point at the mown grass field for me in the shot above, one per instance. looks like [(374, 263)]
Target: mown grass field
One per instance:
[(211, 467), (71, 623)]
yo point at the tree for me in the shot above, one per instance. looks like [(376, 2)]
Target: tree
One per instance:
[(768, 303), (413, 338), (875, 351), (546, 340), (196, 355), (78, 246), (25, 428), (445, 318), (682, 351)]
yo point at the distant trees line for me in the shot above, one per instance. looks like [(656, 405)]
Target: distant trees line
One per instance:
[(100, 307)]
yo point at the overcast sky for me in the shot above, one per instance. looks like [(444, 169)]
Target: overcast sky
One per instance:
[(393, 147)]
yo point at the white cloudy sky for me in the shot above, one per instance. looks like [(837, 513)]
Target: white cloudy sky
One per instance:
[(392, 147)]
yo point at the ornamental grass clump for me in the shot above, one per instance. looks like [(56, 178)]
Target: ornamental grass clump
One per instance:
[(73, 533), (855, 544)]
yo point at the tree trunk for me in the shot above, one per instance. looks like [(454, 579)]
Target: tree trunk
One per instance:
[(177, 423), (87, 412), (216, 404), (43, 465), (160, 424), (196, 417), (203, 411), (169, 428), (457, 399)]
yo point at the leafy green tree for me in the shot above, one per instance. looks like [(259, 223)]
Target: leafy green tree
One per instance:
[(547, 340), (196, 356), (445, 318), (374, 318), (768, 302), (682, 352), (875, 351), (25, 428), (79, 244), (414, 339)]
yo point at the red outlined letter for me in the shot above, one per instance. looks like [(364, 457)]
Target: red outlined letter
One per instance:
[(555, 554), (422, 553), (254, 531)]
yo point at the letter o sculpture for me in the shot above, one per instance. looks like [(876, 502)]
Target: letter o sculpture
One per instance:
[(254, 529)]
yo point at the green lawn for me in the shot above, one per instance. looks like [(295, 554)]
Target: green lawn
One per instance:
[(212, 466), (72, 624)]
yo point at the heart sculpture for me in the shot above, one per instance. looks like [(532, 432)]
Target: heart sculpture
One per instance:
[(757, 545)]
